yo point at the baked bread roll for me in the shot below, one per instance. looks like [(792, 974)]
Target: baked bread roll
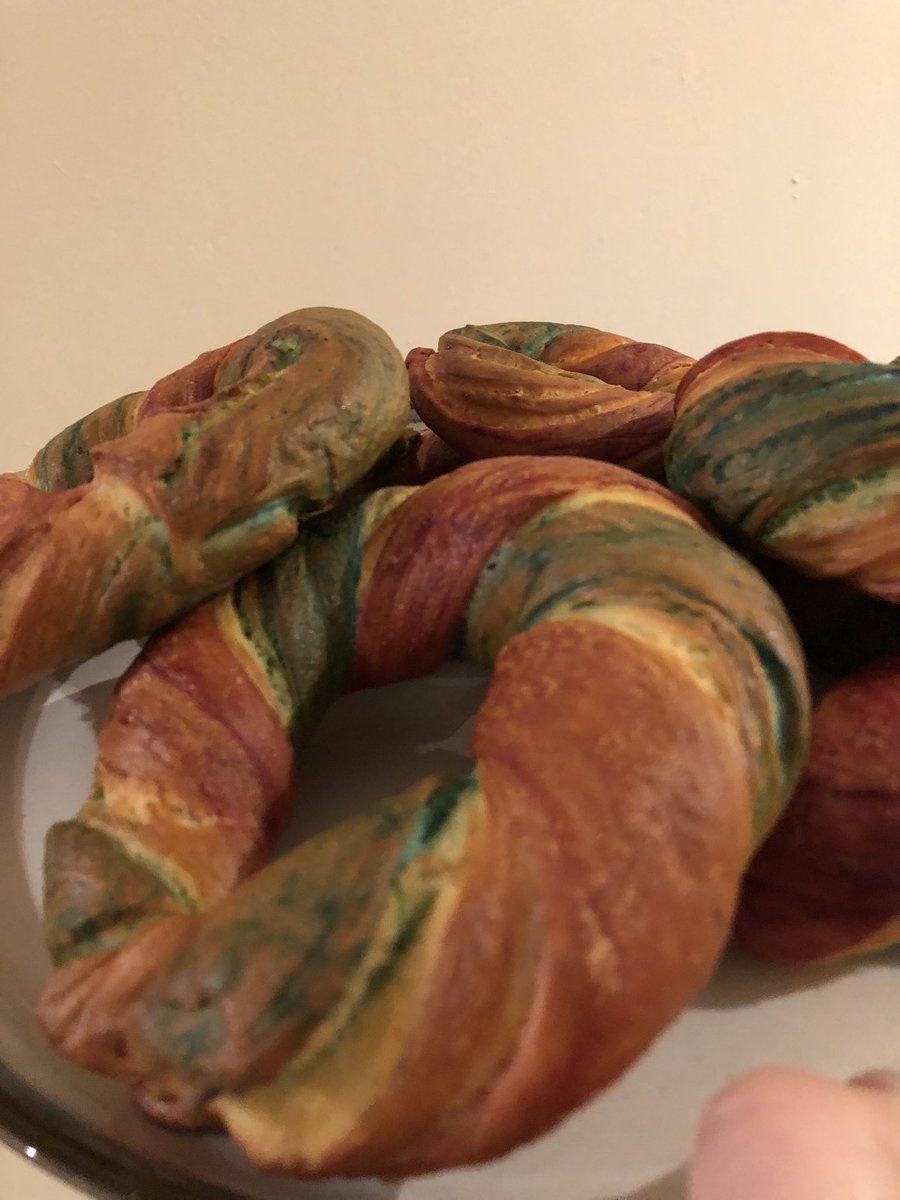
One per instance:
[(826, 883), (451, 972), (790, 442), (152, 503), (534, 387)]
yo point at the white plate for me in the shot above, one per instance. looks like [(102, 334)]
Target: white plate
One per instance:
[(628, 1145)]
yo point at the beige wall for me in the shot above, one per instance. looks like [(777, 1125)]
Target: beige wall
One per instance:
[(177, 171)]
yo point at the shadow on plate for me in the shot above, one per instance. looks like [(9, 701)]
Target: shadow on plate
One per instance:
[(380, 741), (672, 1186), (93, 702), (742, 980)]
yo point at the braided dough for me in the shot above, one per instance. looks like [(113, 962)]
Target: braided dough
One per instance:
[(156, 501), (790, 441), (534, 387), (453, 971)]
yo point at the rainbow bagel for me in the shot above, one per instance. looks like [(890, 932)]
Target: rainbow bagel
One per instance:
[(793, 442), (534, 387), (826, 883), (156, 501), (453, 971)]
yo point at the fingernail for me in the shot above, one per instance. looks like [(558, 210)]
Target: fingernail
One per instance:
[(877, 1081)]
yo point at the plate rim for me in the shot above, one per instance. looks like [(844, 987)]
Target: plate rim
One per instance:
[(83, 1157)]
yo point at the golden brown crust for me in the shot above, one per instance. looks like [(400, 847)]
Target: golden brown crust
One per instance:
[(789, 440), (193, 761), (625, 938), (753, 352), (201, 482), (412, 988), (398, 636), (536, 388)]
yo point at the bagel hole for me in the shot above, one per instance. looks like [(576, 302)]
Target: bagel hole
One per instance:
[(378, 742)]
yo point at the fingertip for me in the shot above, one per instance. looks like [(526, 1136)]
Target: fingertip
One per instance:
[(766, 1136), (729, 1129)]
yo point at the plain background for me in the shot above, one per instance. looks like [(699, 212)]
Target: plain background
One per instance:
[(177, 172)]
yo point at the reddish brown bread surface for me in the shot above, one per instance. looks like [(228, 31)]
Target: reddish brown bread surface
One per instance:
[(827, 882), (536, 387), (147, 506), (790, 441)]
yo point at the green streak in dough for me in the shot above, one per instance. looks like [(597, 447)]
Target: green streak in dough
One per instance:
[(531, 338), (788, 434), (294, 957)]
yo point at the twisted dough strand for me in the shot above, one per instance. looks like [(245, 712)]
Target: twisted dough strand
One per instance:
[(105, 539), (452, 971), (535, 387), (65, 462), (793, 441)]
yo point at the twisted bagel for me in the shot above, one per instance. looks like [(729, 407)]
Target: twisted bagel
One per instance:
[(793, 442), (417, 457), (826, 883), (154, 502), (451, 972), (534, 387)]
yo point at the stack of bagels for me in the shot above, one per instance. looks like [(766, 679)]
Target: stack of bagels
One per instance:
[(646, 552)]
